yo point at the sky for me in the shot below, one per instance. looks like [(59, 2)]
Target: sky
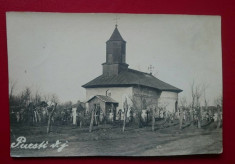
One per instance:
[(56, 53)]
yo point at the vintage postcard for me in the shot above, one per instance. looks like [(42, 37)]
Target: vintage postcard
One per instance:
[(114, 84)]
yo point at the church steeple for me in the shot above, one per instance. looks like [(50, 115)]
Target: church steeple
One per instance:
[(115, 54), (116, 36)]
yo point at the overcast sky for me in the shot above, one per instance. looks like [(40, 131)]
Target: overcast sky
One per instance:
[(58, 52)]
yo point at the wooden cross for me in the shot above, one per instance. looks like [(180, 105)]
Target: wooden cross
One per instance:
[(116, 20)]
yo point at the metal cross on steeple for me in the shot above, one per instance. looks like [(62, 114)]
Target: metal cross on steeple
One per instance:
[(116, 21), (150, 68)]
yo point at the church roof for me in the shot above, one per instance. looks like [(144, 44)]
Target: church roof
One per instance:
[(116, 36), (104, 99), (131, 77)]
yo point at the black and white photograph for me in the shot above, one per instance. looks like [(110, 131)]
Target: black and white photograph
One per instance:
[(99, 84)]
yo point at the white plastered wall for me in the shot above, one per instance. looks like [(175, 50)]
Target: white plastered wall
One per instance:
[(168, 100)]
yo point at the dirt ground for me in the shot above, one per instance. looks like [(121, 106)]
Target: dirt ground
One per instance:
[(107, 140)]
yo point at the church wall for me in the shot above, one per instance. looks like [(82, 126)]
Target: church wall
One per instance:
[(117, 93), (155, 98), (168, 100), (145, 98), (152, 97)]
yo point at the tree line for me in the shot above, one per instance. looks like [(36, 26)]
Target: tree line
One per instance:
[(28, 108)]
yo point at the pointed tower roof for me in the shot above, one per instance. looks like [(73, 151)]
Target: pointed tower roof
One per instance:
[(116, 36)]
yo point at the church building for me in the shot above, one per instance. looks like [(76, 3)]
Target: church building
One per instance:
[(118, 83)]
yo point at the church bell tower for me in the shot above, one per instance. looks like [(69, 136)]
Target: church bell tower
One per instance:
[(115, 55)]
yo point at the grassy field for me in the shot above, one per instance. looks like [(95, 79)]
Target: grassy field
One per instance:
[(107, 140)]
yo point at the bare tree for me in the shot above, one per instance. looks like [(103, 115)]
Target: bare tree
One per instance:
[(196, 92), (54, 99), (183, 102), (193, 101), (51, 110), (204, 88), (125, 107), (37, 98), (50, 116), (46, 97), (153, 105), (12, 85), (92, 119), (153, 118), (181, 115), (219, 103), (26, 96), (183, 106), (137, 103), (219, 120)]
